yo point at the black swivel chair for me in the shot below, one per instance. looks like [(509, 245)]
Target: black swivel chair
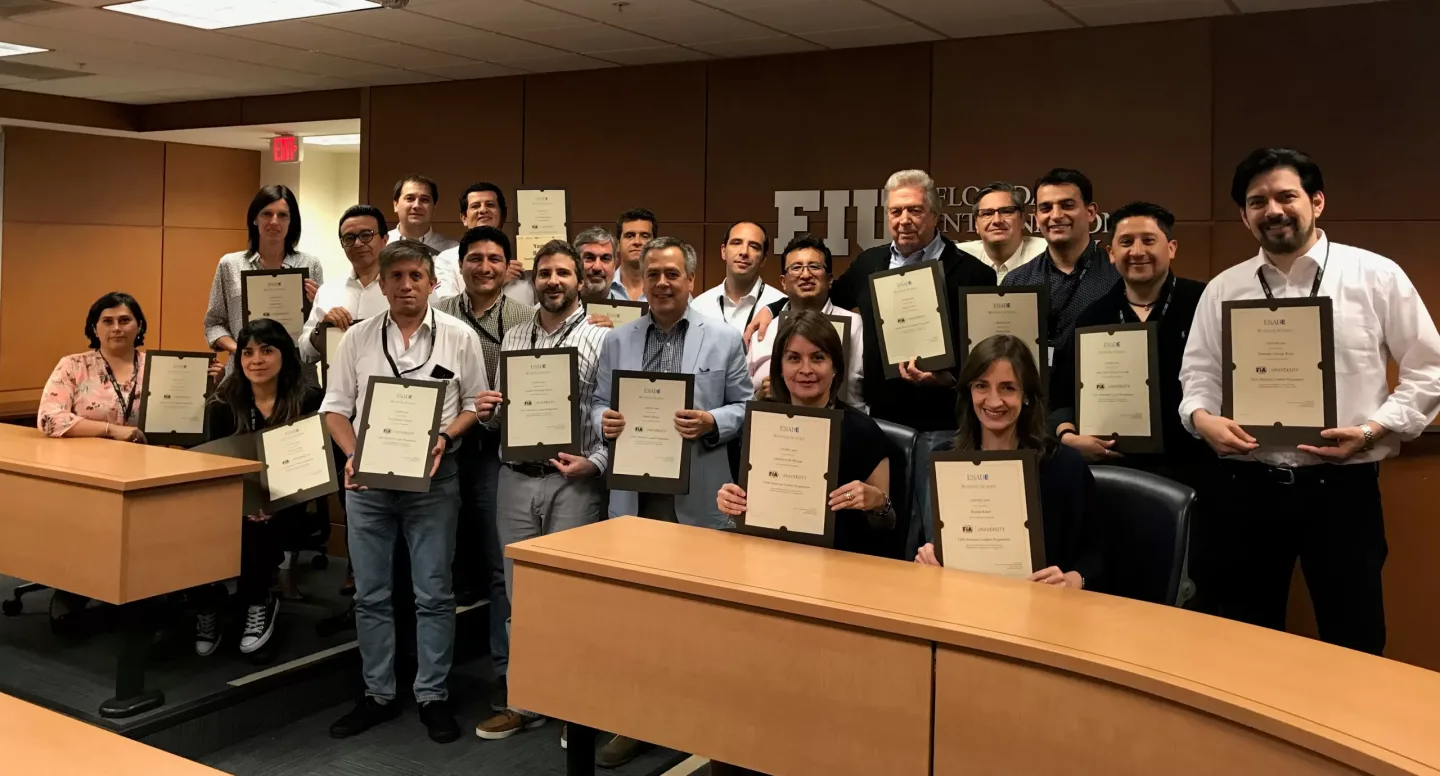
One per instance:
[(902, 495), (1149, 533)]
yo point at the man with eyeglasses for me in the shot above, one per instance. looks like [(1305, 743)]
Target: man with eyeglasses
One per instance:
[(343, 301), (806, 269), (1000, 222)]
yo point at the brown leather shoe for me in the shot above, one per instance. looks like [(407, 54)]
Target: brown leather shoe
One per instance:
[(618, 751)]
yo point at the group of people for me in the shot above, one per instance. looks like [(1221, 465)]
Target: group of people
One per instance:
[(419, 306)]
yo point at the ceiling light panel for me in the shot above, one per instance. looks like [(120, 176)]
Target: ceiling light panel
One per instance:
[(331, 140), (15, 49), (219, 14)]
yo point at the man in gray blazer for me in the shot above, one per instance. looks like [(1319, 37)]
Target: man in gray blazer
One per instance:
[(674, 337)]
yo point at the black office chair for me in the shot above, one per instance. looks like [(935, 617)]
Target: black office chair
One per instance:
[(1149, 533), (901, 491)]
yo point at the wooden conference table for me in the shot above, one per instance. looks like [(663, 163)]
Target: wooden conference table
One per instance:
[(120, 523), (35, 741), (790, 659)]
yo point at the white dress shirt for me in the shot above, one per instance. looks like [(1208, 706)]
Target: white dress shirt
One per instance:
[(440, 341), (1378, 315), (447, 273), (432, 238), (761, 352), (715, 303), (1029, 248), (363, 301)]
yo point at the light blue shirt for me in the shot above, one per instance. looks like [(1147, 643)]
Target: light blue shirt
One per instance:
[(928, 253), (617, 289)]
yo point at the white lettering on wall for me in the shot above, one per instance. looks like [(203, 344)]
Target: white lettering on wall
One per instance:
[(790, 221), (835, 203)]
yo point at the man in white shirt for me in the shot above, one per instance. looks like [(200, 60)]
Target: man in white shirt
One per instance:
[(1000, 222), (482, 204), (736, 299), (414, 205), (410, 341), (806, 269), (1320, 504), (343, 301)]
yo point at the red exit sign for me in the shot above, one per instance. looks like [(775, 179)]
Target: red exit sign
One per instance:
[(285, 149)]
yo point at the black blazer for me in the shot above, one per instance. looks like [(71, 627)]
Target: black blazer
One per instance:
[(921, 408)]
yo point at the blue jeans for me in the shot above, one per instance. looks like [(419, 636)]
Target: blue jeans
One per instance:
[(374, 518), (479, 558)]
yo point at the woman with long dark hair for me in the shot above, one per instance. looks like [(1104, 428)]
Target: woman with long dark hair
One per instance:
[(1000, 407), (808, 370), (268, 389)]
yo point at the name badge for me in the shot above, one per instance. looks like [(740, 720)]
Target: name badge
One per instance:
[(1050, 357)]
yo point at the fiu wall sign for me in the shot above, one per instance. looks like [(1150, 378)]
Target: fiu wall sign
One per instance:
[(957, 216)]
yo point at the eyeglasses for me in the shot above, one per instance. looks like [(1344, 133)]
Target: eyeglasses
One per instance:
[(348, 240), (797, 270), (990, 212)]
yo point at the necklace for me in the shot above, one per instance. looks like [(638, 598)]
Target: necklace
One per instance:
[(1134, 303)]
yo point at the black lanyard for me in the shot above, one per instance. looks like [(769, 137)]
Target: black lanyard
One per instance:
[(125, 401), (758, 295), (1314, 287), (1169, 295), (1070, 297), (564, 334), (385, 346), (499, 320)]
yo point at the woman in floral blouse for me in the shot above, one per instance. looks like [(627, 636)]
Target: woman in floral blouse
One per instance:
[(97, 393)]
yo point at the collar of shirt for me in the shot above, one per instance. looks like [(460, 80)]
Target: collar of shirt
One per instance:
[(828, 309), (253, 261), (1298, 277), (354, 279), (617, 289), (535, 321), (1080, 264), (929, 252), (489, 311), (752, 296)]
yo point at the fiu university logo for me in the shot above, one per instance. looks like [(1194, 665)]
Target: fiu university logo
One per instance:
[(957, 216)]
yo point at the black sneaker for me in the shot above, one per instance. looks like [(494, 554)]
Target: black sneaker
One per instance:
[(259, 625), (500, 696), (439, 721), (367, 714), (207, 632)]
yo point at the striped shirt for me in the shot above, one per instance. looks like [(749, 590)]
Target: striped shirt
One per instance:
[(576, 332)]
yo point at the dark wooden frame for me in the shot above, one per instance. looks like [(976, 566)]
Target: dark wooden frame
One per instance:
[(932, 363), (176, 438), (397, 481), (644, 307), (1155, 442), (1042, 311), (331, 485), (832, 471), (305, 303), (1034, 520), (1278, 435), (541, 453), (645, 483)]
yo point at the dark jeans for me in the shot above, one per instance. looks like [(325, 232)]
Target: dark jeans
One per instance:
[(479, 559), (1331, 519), (260, 554)]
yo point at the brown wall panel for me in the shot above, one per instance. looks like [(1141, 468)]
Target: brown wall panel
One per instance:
[(69, 178), (32, 106), (190, 258), (1137, 133), (457, 132), (1366, 112), (207, 187), (835, 120), (653, 158), (39, 325)]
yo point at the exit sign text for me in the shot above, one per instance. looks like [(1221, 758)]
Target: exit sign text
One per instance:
[(285, 149)]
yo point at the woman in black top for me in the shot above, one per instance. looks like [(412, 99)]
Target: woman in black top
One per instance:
[(809, 371), (269, 389), (1001, 408)]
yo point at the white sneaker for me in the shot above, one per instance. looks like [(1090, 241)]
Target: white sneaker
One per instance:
[(207, 633), (259, 625)]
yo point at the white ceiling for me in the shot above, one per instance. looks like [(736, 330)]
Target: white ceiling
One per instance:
[(135, 60)]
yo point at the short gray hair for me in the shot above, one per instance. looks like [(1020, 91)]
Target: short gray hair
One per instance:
[(595, 235), (1000, 186), (407, 250), (661, 243), (919, 179)]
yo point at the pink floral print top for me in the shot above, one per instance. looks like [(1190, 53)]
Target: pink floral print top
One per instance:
[(80, 389)]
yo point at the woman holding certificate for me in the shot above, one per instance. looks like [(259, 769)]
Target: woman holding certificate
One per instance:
[(268, 390), (97, 393), (1004, 411), (809, 371)]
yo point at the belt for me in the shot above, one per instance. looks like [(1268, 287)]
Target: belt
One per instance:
[(532, 469), (1318, 474)]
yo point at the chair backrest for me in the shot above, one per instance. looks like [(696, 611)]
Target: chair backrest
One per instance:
[(1149, 532), (902, 494)]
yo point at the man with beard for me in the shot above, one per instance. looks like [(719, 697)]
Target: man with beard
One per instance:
[(537, 499), (1000, 222), (482, 204), (484, 307), (1320, 504), (597, 255), (742, 292)]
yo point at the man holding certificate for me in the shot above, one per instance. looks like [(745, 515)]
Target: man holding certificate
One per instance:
[(1318, 501), (422, 351), (566, 490)]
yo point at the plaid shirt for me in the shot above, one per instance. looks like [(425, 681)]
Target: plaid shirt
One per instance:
[(502, 316), (664, 352)]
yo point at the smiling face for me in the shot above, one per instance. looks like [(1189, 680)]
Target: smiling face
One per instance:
[(407, 285), (260, 361), (599, 261), (910, 218), (1062, 215), (414, 206), (365, 238), (482, 208), (808, 371), (997, 397), (998, 219), (667, 284), (1140, 250), (556, 284), (117, 328), (805, 275), (483, 268), (744, 253), (1279, 212)]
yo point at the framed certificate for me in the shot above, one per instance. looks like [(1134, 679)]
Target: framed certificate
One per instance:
[(650, 456), (986, 511), (172, 400), (1117, 385), (397, 433), (330, 337), (542, 404), (1280, 386), (913, 317), (1019, 310), (790, 460), (246, 448), (299, 462), (619, 311), (841, 324), (539, 218), (277, 294)]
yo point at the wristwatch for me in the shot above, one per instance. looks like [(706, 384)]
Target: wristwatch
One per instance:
[(1369, 437), (449, 440), (1065, 431)]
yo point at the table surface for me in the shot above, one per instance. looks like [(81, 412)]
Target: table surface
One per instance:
[(1333, 700), (107, 464), (39, 741)]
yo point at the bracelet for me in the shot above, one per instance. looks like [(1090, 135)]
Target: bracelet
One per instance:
[(1065, 431), (882, 510), (1369, 437)]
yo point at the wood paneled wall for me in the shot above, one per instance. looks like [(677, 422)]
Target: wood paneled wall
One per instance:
[(87, 214)]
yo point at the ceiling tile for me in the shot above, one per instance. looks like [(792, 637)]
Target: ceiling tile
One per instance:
[(591, 37), (559, 62), (404, 56), (1260, 6), (873, 36), (1102, 12), (508, 16), (471, 70), (607, 11), (802, 16), (489, 47), (391, 24), (758, 47), (974, 18), (703, 25), (300, 35), (651, 56)]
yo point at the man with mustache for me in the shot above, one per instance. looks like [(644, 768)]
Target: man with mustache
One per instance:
[(597, 255), (491, 313), (537, 499), (742, 292), (1000, 222), (1074, 267), (482, 204), (1320, 504)]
